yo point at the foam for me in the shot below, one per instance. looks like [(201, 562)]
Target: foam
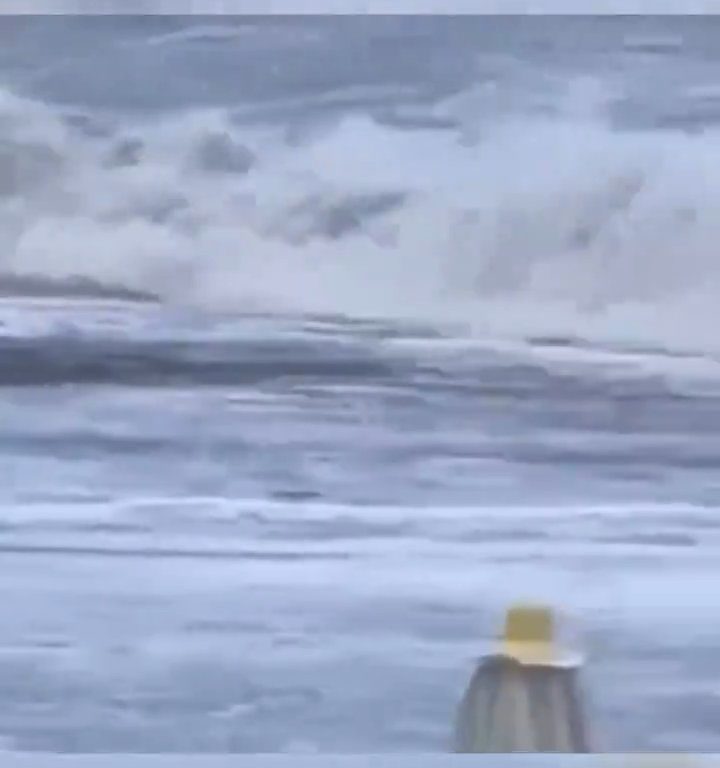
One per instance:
[(546, 226)]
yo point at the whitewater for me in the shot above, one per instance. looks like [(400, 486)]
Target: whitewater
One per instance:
[(324, 339)]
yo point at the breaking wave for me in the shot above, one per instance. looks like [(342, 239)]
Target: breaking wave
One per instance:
[(525, 225)]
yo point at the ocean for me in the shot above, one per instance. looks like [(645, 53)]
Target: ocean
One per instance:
[(323, 340)]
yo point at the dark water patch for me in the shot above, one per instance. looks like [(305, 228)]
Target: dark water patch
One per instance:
[(165, 553), (562, 342), (221, 153), (655, 416), (78, 498), (499, 537), (91, 126), (335, 219), (617, 460), (297, 496), (52, 644), (48, 361), (626, 349), (666, 45), (658, 539), (75, 526), (36, 286), (127, 153), (83, 444)]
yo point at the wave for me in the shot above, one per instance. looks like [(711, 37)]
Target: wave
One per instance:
[(529, 225)]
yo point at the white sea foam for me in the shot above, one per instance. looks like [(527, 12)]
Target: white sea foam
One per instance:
[(556, 226)]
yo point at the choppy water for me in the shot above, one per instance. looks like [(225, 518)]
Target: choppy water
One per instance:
[(321, 340)]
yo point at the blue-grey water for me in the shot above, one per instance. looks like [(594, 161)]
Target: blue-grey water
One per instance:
[(321, 341)]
